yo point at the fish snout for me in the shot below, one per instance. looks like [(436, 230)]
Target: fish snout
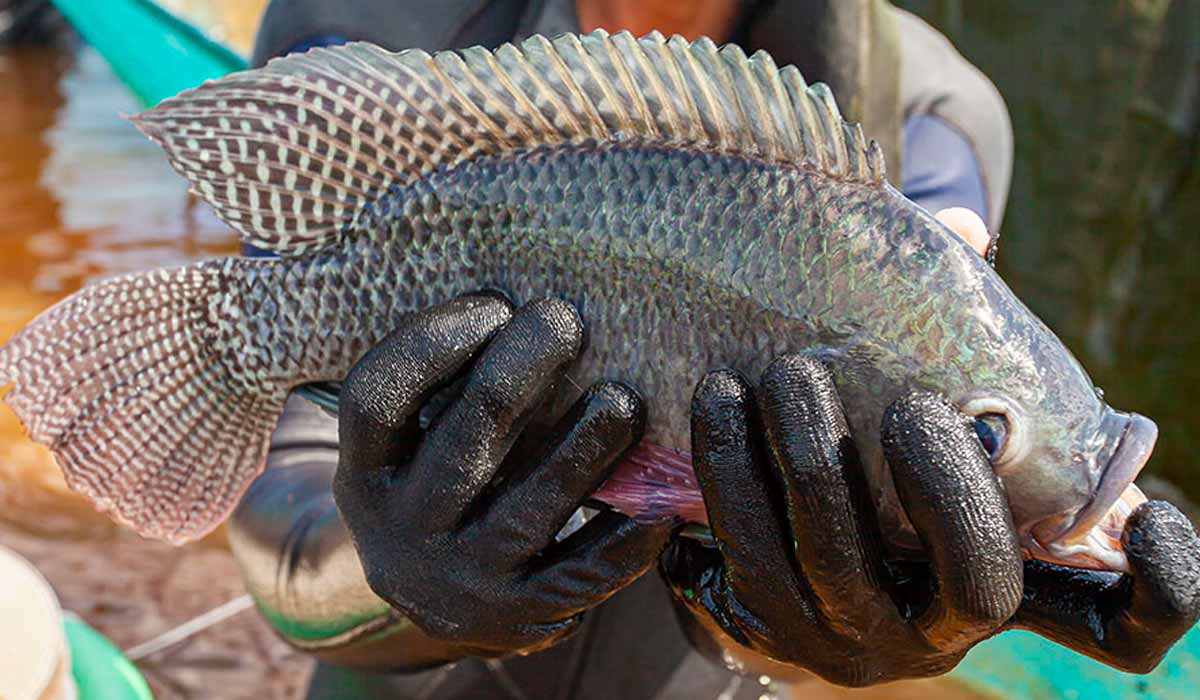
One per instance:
[(1090, 536)]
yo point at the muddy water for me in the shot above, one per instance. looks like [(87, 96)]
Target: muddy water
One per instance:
[(82, 195)]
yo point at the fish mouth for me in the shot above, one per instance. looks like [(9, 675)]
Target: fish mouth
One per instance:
[(1092, 538)]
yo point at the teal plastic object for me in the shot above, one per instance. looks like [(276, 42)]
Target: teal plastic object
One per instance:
[(151, 50), (1021, 664), (99, 669)]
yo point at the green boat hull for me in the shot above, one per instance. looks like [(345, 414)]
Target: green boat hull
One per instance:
[(154, 52)]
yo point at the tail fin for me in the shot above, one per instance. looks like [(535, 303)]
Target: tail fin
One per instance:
[(128, 382)]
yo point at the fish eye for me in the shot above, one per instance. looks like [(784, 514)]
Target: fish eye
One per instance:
[(992, 429), (1001, 426)]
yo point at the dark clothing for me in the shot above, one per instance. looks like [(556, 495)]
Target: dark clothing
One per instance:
[(945, 131), (940, 168)]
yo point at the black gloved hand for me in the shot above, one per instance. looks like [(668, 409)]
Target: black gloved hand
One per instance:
[(831, 605), (798, 574), (454, 527), (1127, 621)]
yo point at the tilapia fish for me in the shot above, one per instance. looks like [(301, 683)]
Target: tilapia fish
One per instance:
[(702, 209)]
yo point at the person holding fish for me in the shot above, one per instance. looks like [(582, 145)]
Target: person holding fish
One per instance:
[(899, 463), (949, 138)]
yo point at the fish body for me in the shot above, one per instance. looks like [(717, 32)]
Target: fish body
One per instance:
[(755, 236)]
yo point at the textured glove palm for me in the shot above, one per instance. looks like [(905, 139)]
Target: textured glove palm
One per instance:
[(799, 576), (454, 526)]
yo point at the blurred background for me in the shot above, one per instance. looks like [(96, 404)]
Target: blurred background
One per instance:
[(1099, 239)]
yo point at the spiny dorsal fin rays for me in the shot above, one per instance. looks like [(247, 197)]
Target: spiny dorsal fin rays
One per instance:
[(831, 126), (641, 73), (577, 76), (553, 102), (751, 100), (784, 122), (290, 154), (679, 97), (628, 86), (806, 117)]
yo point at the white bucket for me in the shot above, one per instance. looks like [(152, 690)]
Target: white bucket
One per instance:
[(35, 662)]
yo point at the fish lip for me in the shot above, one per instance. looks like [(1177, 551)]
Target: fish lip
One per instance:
[(1132, 451)]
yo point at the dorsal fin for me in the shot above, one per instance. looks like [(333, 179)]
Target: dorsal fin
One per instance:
[(289, 154)]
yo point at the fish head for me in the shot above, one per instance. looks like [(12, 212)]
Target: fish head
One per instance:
[(1066, 459)]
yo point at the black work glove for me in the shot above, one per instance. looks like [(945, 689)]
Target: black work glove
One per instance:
[(799, 574), (1128, 621), (455, 527)]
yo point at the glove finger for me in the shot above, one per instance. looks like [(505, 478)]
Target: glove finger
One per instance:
[(1164, 554), (534, 503), (608, 553), (384, 391), (954, 501), (832, 522), (745, 509), (1129, 621), (467, 443)]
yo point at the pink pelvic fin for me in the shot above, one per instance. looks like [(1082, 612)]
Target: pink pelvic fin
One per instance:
[(655, 483)]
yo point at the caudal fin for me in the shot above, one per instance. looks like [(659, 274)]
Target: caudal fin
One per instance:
[(131, 386)]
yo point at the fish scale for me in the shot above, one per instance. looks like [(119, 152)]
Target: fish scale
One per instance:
[(701, 209), (552, 222)]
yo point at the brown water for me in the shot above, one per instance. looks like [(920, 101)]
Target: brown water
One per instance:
[(82, 195)]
